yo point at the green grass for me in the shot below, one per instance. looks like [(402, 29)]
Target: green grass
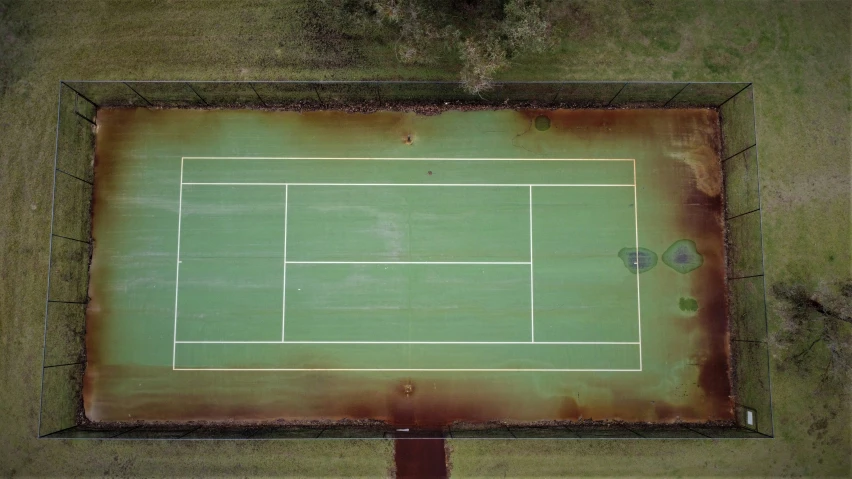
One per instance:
[(796, 53)]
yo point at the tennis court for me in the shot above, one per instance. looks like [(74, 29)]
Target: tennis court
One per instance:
[(275, 265)]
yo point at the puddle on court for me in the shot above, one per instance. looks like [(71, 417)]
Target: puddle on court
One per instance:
[(131, 317)]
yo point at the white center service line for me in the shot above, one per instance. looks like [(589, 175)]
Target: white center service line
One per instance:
[(414, 262)]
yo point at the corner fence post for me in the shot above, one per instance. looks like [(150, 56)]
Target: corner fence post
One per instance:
[(734, 96), (61, 431), (80, 94)]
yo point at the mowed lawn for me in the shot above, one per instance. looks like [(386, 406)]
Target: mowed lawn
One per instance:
[(796, 53)]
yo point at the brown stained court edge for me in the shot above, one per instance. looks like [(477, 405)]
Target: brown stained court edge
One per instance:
[(62, 402)]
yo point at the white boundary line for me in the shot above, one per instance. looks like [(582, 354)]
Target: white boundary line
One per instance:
[(468, 185), (528, 343), (284, 281), (530, 263)]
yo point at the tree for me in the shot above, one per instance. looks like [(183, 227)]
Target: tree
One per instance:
[(815, 329), (485, 34)]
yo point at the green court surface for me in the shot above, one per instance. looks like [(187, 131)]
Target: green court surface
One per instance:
[(332, 254)]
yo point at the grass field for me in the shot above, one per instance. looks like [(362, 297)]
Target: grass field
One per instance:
[(796, 53)]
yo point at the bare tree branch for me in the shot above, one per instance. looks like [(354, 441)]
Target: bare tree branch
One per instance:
[(828, 307)]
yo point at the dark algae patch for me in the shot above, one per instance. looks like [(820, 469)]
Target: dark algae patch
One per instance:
[(689, 305), (682, 256), (640, 260)]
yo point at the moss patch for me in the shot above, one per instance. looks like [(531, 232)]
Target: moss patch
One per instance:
[(688, 305)]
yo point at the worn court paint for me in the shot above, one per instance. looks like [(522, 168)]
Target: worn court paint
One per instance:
[(130, 319)]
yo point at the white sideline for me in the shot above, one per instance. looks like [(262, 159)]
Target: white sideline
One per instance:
[(638, 290)]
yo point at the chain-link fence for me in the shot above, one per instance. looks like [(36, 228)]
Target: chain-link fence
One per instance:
[(61, 407), (746, 285), (367, 94)]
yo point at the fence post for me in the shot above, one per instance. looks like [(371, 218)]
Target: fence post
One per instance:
[(81, 95), (316, 90), (258, 95), (696, 432), (733, 96), (616, 95), (196, 93), (73, 176), (80, 114), (137, 93), (676, 94)]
